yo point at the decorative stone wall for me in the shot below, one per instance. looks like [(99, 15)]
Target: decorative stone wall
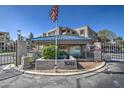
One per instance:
[(26, 62), (21, 50), (41, 64), (97, 51)]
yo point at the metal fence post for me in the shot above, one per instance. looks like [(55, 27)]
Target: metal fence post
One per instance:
[(16, 52)]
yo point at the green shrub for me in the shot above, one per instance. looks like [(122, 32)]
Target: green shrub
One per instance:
[(29, 59), (48, 52), (123, 49)]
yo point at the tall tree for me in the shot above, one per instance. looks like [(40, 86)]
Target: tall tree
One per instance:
[(8, 37), (31, 36), (106, 35), (118, 38), (31, 45)]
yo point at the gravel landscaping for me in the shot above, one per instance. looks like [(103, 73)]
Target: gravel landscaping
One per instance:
[(89, 65)]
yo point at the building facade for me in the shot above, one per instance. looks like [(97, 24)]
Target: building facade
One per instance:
[(4, 36), (84, 31), (76, 42)]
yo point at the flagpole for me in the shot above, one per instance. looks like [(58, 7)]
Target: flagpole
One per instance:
[(56, 46), (54, 18)]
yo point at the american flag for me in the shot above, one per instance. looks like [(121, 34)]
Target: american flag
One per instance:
[(54, 13)]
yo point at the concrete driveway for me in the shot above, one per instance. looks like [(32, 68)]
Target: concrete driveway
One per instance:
[(111, 78)]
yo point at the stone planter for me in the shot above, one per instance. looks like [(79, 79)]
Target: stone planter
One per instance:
[(26, 62), (44, 64)]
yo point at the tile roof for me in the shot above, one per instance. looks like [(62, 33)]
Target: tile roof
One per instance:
[(62, 37)]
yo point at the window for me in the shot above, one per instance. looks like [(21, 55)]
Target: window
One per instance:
[(74, 33), (68, 31), (51, 34), (81, 31), (75, 51), (2, 43)]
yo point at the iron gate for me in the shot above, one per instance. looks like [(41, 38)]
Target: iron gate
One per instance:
[(113, 51), (8, 53)]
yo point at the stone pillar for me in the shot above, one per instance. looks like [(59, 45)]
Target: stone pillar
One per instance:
[(21, 50), (97, 51), (81, 50), (86, 56)]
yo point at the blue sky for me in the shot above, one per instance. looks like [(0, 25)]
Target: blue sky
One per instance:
[(36, 19)]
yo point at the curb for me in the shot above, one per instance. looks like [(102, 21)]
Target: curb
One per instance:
[(64, 74)]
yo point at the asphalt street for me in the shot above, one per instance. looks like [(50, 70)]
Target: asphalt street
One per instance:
[(112, 77)]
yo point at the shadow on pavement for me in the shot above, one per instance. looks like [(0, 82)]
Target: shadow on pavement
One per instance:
[(78, 83), (6, 74), (112, 72), (112, 61)]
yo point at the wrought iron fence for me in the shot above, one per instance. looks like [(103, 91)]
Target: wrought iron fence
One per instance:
[(113, 51), (7, 53)]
